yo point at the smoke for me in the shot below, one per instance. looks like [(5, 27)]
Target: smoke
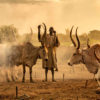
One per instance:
[(31, 15), (7, 73)]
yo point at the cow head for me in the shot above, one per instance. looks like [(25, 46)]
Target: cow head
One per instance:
[(44, 50), (43, 53), (77, 55)]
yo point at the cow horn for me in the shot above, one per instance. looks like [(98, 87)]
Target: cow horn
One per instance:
[(45, 29), (39, 35), (88, 43), (72, 38), (31, 30), (77, 39)]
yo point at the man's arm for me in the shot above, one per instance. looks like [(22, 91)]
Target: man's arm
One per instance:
[(57, 43)]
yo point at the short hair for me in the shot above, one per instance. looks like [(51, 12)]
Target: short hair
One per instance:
[(51, 29)]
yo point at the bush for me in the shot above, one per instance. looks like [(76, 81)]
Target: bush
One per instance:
[(8, 33)]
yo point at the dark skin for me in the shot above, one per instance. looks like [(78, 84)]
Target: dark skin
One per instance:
[(46, 72), (51, 31)]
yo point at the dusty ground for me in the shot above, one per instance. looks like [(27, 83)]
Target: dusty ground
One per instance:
[(67, 90), (59, 90)]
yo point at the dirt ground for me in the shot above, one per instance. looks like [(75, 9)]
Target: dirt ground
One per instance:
[(72, 88), (59, 90)]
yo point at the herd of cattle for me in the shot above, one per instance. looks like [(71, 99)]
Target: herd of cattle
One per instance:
[(27, 54)]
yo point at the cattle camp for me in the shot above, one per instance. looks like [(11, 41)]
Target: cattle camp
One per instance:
[(49, 50)]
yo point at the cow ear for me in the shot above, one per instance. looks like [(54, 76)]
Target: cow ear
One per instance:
[(97, 53), (78, 50), (88, 45)]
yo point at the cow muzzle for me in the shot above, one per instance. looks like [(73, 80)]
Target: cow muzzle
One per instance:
[(69, 64), (46, 58)]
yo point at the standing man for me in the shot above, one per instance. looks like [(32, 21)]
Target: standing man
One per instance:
[(51, 42)]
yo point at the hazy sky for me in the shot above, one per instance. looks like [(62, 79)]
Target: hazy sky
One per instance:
[(58, 13)]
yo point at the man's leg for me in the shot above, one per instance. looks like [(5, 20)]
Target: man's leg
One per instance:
[(46, 72), (52, 71)]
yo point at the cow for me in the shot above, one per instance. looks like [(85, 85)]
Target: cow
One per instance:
[(51, 42), (90, 57), (26, 55)]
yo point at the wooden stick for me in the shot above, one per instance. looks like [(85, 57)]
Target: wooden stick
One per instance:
[(77, 97), (16, 92), (86, 83), (63, 76)]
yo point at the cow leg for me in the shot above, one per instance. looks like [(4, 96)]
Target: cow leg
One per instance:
[(12, 75), (97, 76), (52, 71), (46, 72), (31, 80), (7, 78), (24, 70)]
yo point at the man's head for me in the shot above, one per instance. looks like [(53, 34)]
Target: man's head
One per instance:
[(51, 30)]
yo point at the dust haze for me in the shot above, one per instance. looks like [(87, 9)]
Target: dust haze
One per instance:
[(58, 13), (17, 17), (61, 14)]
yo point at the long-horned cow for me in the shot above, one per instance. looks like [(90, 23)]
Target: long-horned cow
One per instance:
[(26, 55), (90, 57)]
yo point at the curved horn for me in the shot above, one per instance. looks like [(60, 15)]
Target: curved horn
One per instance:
[(77, 39), (39, 35), (45, 29), (88, 43), (72, 38), (31, 30)]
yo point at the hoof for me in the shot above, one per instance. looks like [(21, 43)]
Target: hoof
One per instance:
[(23, 81), (56, 69), (16, 78), (44, 80), (53, 80), (31, 81), (8, 80), (98, 90), (13, 79)]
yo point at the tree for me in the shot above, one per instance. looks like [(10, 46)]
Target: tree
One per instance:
[(8, 33)]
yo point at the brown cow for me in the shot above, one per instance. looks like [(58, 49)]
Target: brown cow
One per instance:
[(26, 55), (50, 41), (90, 57)]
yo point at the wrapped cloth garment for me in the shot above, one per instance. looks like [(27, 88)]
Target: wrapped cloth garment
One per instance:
[(51, 42)]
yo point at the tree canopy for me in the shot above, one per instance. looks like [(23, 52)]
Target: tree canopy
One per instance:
[(8, 33)]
